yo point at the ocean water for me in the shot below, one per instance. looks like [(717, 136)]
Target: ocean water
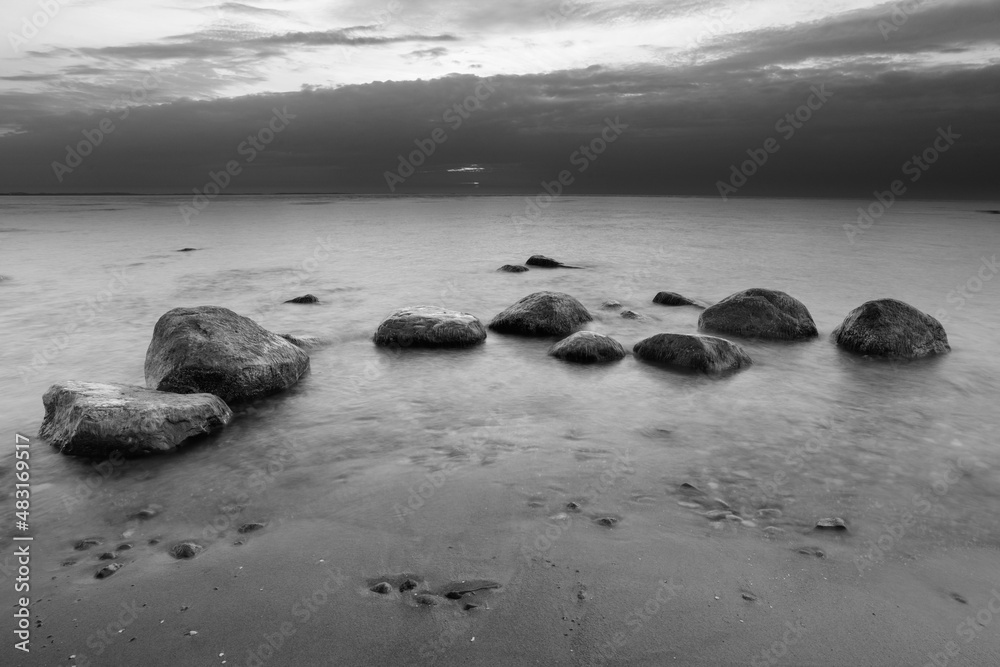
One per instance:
[(410, 444)]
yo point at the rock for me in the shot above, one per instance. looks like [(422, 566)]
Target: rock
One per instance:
[(573, 506), (426, 599), (407, 585), (303, 342), (773, 531), (760, 313), (812, 551), (719, 515), (607, 521), (382, 588), (469, 606), (891, 328), (107, 555), (429, 326), (307, 298), (630, 315), (214, 350), (123, 547), (831, 524), (958, 598), (701, 353), (769, 513), (87, 542), (93, 419), (108, 570), (674, 299), (542, 314), (143, 514), (187, 249), (512, 268), (588, 346), (456, 590), (250, 527), (186, 550), (547, 262), (610, 305)]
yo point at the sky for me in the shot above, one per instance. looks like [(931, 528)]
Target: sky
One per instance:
[(727, 98)]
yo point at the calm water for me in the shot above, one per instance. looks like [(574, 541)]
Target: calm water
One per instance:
[(808, 429)]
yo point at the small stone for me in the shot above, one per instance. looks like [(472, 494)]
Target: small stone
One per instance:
[(144, 514), (607, 521), (86, 543), (835, 523), (123, 547), (107, 555), (573, 506), (308, 298), (959, 598), (512, 268), (382, 588), (812, 551), (407, 585), (154, 541), (108, 570), (68, 562), (749, 597), (469, 606), (249, 527), (187, 249), (426, 600), (630, 315), (186, 550), (687, 487), (191, 633)]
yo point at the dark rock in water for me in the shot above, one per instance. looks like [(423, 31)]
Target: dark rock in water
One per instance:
[(429, 326), (588, 346), (701, 353), (512, 268), (630, 315), (760, 313), (688, 487), (108, 570), (955, 596), (382, 588), (573, 506), (302, 342), (407, 585), (835, 523), (143, 514), (812, 551), (187, 249), (186, 550), (469, 607), (123, 547), (250, 527), (107, 555), (426, 599), (749, 597), (891, 328), (87, 542), (607, 521), (547, 262), (674, 299), (542, 314), (307, 298), (610, 305), (214, 350), (93, 419)]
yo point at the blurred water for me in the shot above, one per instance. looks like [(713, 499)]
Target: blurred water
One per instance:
[(808, 428)]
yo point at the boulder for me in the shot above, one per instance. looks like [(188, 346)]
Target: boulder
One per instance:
[(587, 346), (547, 262), (630, 315), (674, 299), (214, 350), (512, 268), (697, 352), (306, 298), (429, 326), (542, 314), (93, 419), (760, 313), (891, 328), (611, 305)]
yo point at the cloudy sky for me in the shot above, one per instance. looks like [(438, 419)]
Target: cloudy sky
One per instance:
[(179, 87)]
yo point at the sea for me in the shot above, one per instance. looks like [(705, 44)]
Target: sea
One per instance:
[(380, 438)]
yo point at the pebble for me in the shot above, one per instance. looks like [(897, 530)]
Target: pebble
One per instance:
[(108, 570), (425, 599), (382, 588), (607, 521), (573, 506), (123, 547), (407, 585)]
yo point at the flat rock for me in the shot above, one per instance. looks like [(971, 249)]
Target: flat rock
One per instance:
[(94, 419), (674, 299), (542, 314), (892, 329), (429, 326), (833, 523), (588, 346), (306, 298), (213, 350), (760, 313), (513, 268), (696, 352)]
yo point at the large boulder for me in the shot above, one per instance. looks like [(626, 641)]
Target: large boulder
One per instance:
[(588, 346), (760, 313), (697, 352), (547, 262), (93, 419), (429, 326), (891, 328), (674, 299), (214, 350), (542, 314)]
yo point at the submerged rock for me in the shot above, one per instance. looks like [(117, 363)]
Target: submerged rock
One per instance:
[(429, 326), (94, 419), (674, 299), (306, 298), (214, 350), (382, 588), (542, 314), (547, 262), (610, 305), (512, 268), (251, 527), (701, 353), (588, 346), (891, 328), (631, 315), (187, 250), (760, 313)]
